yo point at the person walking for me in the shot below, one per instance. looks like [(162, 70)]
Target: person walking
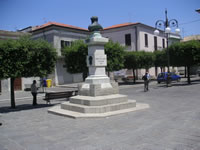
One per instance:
[(34, 92), (146, 79)]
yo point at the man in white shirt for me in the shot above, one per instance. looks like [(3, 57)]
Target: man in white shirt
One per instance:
[(146, 79)]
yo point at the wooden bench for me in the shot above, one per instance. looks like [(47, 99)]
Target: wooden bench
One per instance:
[(128, 78), (27, 87), (56, 95)]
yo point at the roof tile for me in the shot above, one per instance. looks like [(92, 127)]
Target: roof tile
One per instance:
[(59, 24), (120, 25)]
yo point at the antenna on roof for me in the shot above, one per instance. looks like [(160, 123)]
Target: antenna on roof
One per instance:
[(130, 17), (45, 20), (15, 27)]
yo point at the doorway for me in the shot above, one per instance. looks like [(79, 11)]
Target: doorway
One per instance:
[(18, 84)]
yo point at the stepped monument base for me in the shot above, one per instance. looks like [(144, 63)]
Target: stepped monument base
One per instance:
[(98, 96)]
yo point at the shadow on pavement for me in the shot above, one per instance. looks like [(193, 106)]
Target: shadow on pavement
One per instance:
[(23, 107), (185, 83), (130, 83)]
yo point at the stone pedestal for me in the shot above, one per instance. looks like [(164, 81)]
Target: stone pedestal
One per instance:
[(98, 96)]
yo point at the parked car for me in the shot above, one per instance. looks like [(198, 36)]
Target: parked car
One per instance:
[(162, 77), (118, 75)]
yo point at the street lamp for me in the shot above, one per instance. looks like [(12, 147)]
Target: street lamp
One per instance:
[(167, 24), (198, 10)]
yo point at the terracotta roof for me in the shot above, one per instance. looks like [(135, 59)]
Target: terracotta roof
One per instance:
[(12, 33), (120, 25), (58, 24)]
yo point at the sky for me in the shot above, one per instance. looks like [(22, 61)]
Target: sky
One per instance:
[(18, 14)]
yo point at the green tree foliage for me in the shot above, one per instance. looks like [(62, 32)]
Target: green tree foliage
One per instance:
[(160, 58), (131, 60), (115, 56), (138, 60), (75, 57), (185, 54), (146, 59), (25, 58)]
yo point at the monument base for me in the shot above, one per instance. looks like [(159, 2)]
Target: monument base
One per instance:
[(72, 114), (98, 89), (98, 96), (99, 106)]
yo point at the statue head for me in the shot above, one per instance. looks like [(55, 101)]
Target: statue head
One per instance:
[(95, 26)]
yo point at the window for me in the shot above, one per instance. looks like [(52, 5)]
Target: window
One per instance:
[(65, 43), (155, 43), (128, 39), (146, 40), (163, 43)]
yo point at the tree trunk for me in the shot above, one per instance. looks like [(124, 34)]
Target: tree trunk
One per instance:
[(12, 92), (188, 74), (134, 77), (85, 74), (108, 73), (185, 71)]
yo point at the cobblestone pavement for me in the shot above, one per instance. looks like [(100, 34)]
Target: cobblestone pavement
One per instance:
[(171, 123)]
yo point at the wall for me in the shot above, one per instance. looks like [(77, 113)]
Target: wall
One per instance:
[(54, 35), (61, 74), (150, 33), (138, 30), (118, 35)]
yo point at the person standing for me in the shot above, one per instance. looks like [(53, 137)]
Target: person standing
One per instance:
[(34, 92), (146, 79)]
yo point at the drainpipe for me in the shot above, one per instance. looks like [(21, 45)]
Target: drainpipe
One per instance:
[(136, 39), (44, 36), (136, 48)]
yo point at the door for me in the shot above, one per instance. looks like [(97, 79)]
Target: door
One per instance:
[(18, 84)]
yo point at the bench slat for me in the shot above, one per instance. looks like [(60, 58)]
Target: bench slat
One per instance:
[(55, 95)]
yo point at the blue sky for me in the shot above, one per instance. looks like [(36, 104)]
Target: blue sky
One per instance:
[(18, 14)]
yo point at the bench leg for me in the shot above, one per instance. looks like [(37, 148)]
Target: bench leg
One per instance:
[(48, 102)]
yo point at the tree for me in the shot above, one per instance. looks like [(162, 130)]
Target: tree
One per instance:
[(75, 57), (160, 58), (138, 60), (115, 56), (146, 59), (131, 62), (25, 58), (185, 54)]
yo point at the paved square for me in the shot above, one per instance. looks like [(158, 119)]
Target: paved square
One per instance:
[(171, 123)]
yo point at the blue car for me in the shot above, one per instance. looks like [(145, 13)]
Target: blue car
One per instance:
[(162, 77)]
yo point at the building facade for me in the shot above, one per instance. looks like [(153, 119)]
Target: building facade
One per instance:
[(19, 83), (134, 36), (60, 35), (139, 37)]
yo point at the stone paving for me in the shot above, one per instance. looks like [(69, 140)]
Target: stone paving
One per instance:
[(171, 123)]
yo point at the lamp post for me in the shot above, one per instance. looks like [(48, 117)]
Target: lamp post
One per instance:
[(167, 24), (198, 10)]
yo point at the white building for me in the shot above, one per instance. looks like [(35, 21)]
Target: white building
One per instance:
[(138, 37), (61, 35), (135, 36), (19, 83)]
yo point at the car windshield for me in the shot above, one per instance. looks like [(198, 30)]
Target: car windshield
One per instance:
[(172, 73), (161, 75)]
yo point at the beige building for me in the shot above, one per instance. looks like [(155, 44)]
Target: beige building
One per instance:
[(194, 69), (19, 83), (192, 37), (135, 36), (60, 35), (138, 37)]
